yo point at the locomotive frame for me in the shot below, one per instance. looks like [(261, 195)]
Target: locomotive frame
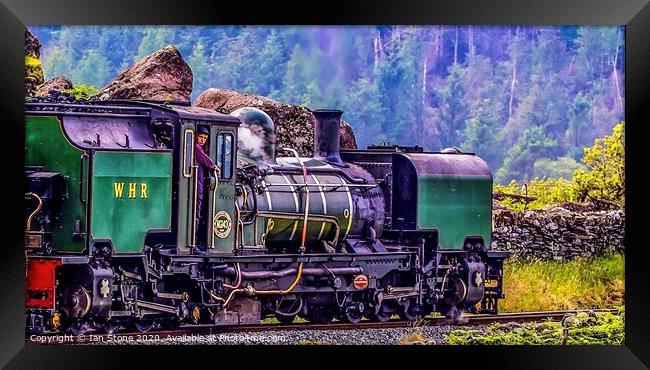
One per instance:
[(111, 237)]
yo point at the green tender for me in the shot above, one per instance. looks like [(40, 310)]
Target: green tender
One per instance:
[(47, 146), (123, 209), (457, 206)]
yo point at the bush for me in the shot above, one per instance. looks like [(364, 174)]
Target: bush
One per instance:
[(539, 193), (606, 162), (602, 176), (82, 92)]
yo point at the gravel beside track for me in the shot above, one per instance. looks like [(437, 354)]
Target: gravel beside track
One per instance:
[(423, 331), (433, 335)]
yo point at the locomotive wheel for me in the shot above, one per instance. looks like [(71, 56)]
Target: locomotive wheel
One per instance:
[(144, 325), (321, 316), (352, 316), (406, 311), (172, 323), (382, 315), (78, 328), (285, 319), (286, 312), (110, 327), (76, 302)]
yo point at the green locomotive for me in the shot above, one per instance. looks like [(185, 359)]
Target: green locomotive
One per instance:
[(112, 240)]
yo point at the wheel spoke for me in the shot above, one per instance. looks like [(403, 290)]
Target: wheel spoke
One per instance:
[(352, 316), (144, 325)]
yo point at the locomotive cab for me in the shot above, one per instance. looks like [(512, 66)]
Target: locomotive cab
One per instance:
[(213, 229)]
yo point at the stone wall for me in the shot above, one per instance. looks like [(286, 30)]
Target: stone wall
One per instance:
[(558, 233)]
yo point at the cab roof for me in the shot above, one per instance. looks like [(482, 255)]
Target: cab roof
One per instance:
[(132, 108)]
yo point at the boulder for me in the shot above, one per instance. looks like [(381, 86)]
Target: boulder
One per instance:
[(347, 136), (58, 83), (33, 70), (294, 124), (162, 75)]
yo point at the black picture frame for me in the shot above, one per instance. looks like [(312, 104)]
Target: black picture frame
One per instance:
[(15, 14)]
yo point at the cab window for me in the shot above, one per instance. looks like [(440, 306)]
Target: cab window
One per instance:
[(188, 151), (225, 155)]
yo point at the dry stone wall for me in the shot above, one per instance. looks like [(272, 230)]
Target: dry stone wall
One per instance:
[(558, 233)]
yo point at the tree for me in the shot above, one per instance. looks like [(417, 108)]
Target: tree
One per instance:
[(479, 87), (481, 138), (563, 167), (93, 69), (57, 62), (154, 38), (271, 63), (579, 121), (363, 110), (389, 74), (483, 118), (518, 165), (605, 160), (294, 88), (453, 108), (200, 67)]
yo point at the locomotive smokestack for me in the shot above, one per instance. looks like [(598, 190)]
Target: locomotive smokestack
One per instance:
[(327, 135)]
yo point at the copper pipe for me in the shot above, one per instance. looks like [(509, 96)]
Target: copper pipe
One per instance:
[(238, 270), (266, 292), (304, 175), (289, 289), (217, 298), (38, 209), (232, 293)]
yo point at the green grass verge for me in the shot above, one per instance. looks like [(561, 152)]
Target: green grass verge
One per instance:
[(556, 285)]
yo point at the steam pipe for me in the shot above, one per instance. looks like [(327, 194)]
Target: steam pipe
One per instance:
[(263, 292), (316, 171), (315, 271)]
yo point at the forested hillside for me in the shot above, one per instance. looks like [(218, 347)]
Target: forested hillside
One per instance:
[(527, 99)]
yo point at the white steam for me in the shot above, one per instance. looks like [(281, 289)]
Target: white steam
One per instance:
[(252, 143)]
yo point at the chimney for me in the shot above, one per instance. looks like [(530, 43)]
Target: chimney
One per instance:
[(327, 135)]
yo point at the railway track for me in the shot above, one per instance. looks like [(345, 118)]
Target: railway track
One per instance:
[(198, 330)]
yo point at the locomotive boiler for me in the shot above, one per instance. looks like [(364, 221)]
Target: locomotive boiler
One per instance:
[(112, 240)]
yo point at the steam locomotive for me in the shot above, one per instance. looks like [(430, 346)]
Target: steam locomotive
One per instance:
[(112, 240)]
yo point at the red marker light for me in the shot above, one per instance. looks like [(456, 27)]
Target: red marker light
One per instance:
[(360, 282)]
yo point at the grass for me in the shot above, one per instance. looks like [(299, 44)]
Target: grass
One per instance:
[(583, 328), (415, 334), (556, 285)]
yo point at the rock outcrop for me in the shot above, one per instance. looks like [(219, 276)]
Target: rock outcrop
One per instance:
[(162, 75), (58, 84), (348, 140), (33, 70), (294, 124)]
